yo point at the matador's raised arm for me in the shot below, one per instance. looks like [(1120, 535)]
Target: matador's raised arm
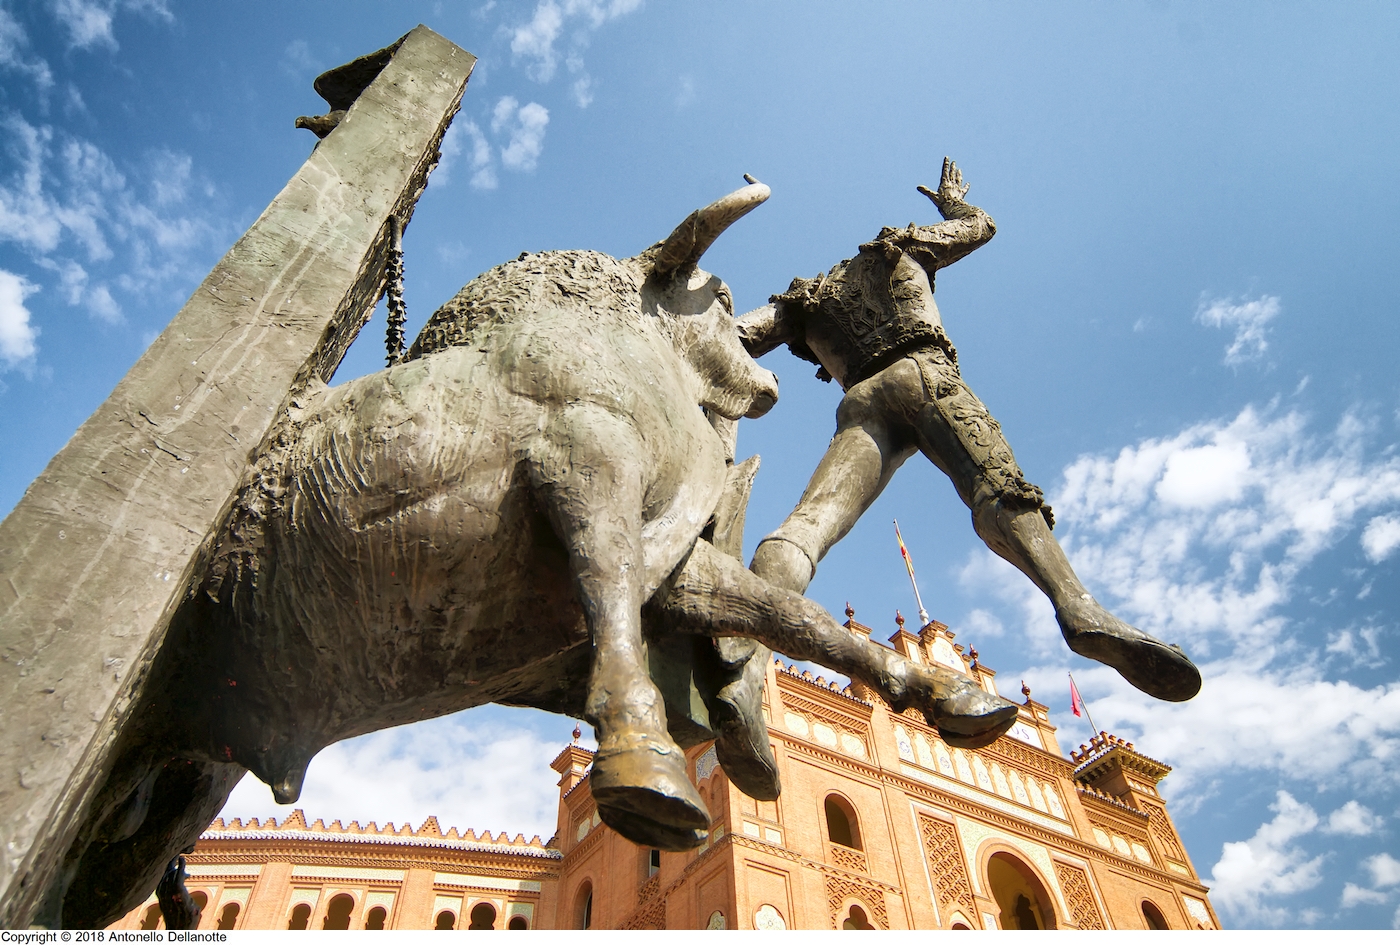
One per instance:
[(964, 227)]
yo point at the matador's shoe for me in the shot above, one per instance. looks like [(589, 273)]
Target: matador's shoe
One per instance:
[(1159, 669), (966, 715)]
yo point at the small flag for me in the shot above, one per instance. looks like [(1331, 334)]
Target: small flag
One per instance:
[(1076, 701), (909, 566), (1077, 704), (904, 552)]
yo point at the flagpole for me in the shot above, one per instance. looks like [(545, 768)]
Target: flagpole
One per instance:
[(909, 564), (1075, 690)]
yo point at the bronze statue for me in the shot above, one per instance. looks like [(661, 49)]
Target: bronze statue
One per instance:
[(518, 512), (872, 326)]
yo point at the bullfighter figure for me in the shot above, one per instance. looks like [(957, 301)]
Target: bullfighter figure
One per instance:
[(872, 326)]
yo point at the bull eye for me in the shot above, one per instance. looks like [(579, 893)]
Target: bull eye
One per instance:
[(726, 300)]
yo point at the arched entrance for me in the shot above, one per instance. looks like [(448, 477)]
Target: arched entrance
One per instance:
[(483, 916), (338, 913), (1019, 894)]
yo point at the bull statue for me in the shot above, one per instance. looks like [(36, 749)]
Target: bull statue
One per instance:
[(512, 513)]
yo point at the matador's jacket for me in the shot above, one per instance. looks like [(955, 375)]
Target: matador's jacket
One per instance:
[(869, 312)]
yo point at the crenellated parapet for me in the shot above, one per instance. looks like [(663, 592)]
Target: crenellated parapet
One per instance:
[(429, 834)]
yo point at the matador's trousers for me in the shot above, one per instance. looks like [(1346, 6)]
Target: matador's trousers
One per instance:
[(921, 403)]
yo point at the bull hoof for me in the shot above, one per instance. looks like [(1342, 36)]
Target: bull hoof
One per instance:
[(649, 833), (741, 734), (644, 794), (1161, 670), (971, 717), (748, 762)]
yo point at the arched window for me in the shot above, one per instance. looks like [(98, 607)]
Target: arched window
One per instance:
[(842, 826), (338, 913), (961, 927), (374, 921), (446, 921), (1154, 917), (856, 920), (301, 915), (583, 906), (152, 919), (483, 916), (518, 922), (228, 916), (1019, 893), (200, 898)]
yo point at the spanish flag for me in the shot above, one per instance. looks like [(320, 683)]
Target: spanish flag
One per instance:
[(904, 552)]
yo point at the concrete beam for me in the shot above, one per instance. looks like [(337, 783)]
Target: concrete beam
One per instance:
[(105, 543)]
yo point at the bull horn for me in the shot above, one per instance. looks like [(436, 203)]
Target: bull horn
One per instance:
[(688, 242)]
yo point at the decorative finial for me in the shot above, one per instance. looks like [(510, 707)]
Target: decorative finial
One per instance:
[(850, 611), (972, 652), (1026, 691), (899, 619), (578, 731)]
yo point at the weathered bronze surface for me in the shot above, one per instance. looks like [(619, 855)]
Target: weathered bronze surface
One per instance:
[(537, 504)]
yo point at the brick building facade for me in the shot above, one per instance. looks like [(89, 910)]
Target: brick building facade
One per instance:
[(880, 825)]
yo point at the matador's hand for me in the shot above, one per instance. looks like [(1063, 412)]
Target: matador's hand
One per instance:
[(951, 188)]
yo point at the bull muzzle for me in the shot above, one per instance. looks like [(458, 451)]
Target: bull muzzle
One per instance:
[(765, 394)]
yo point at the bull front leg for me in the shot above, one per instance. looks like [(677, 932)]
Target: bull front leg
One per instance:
[(588, 478), (712, 594)]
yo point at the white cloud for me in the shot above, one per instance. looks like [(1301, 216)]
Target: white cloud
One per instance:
[(468, 773), (1385, 870), (13, 39), (296, 58), (101, 304), (1381, 537), (536, 41), (1267, 864), (582, 90), (479, 156), (1212, 563), (980, 624), (1354, 895), (1204, 476), (60, 194), (1249, 319), (1353, 819), (1360, 646), (89, 22), (1218, 572), (526, 125), (16, 333)]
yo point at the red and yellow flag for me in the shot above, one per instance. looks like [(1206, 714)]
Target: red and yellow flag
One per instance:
[(904, 552)]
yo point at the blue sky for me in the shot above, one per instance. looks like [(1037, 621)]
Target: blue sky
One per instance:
[(1185, 324)]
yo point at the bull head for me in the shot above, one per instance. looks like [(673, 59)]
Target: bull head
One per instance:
[(688, 242)]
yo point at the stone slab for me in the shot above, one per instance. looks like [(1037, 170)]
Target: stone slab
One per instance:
[(105, 543)]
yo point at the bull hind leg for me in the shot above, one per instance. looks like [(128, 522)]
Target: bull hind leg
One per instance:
[(713, 594), (589, 484)]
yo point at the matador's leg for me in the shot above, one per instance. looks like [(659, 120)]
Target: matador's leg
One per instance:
[(958, 434), (855, 469), (872, 440)]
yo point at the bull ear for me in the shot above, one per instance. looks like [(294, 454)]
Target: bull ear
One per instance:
[(688, 242)]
